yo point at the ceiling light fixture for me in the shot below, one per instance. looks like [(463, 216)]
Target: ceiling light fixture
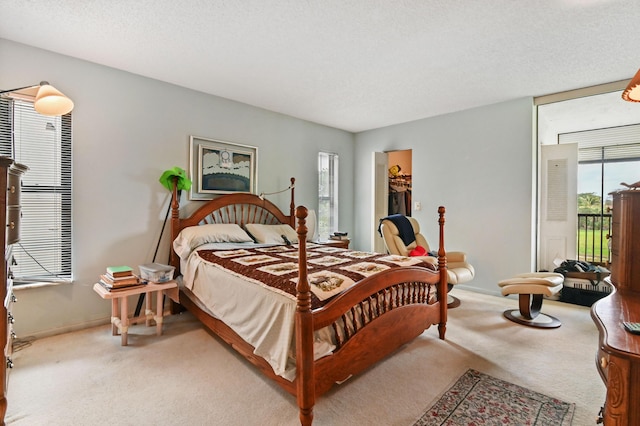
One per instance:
[(632, 92), (48, 99)]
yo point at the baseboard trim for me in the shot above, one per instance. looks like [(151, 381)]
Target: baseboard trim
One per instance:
[(66, 329)]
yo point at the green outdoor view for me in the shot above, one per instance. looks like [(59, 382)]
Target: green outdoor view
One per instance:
[(594, 223)]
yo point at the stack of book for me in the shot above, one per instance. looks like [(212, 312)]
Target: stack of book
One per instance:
[(119, 278), (340, 236)]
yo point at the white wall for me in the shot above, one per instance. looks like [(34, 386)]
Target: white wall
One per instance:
[(478, 164), (126, 131)]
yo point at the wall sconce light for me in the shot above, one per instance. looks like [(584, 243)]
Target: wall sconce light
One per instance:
[(632, 92), (48, 99)]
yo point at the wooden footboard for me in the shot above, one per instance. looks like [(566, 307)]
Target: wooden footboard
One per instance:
[(387, 311), (370, 320)]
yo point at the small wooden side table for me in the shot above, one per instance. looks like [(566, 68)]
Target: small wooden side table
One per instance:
[(336, 243), (120, 315)]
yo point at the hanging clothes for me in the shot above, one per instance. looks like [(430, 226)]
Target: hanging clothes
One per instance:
[(397, 202)]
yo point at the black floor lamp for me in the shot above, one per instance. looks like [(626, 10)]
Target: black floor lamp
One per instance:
[(167, 179)]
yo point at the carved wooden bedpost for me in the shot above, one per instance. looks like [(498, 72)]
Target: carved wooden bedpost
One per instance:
[(292, 206), (304, 328), (443, 284)]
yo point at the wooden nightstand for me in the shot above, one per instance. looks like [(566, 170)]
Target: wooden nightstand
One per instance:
[(336, 243), (120, 317)]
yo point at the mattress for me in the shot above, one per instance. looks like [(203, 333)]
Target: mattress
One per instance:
[(262, 317)]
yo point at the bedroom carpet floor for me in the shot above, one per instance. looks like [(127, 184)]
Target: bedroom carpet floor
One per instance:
[(188, 377)]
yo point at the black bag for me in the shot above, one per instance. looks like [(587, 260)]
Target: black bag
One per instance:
[(574, 266), (582, 270)]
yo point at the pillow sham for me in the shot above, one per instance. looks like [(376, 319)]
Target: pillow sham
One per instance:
[(312, 235), (194, 236), (272, 234)]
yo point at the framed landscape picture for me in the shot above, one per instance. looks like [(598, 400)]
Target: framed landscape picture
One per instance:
[(219, 167)]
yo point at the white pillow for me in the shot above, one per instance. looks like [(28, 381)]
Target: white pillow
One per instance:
[(311, 226), (193, 236), (272, 234)]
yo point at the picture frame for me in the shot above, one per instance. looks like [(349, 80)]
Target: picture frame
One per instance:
[(221, 167)]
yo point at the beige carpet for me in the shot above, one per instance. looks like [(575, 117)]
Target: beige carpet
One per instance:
[(189, 377)]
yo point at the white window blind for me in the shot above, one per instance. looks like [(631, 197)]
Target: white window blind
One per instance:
[(327, 194), (611, 144), (43, 144)]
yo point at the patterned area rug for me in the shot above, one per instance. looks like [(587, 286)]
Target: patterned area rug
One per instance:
[(479, 399)]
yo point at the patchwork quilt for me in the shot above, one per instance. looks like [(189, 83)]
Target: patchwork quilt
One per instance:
[(330, 270)]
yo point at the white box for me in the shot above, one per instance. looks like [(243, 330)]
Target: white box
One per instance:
[(156, 272)]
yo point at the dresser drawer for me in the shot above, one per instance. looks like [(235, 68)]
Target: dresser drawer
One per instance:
[(8, 349), (602, 362), (9, 301), (13, 188), (9, 297), (13, 224)]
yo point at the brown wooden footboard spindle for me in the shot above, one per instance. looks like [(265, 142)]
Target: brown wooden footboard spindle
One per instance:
[(304, 328)]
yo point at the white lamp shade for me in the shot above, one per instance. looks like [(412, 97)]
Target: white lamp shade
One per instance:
[(311, 225), (50, 101)]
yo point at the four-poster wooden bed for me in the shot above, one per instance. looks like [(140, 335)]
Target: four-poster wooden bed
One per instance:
[(367, 321)]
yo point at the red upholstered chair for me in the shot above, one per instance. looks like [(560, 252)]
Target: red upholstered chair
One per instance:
[(458, 269)]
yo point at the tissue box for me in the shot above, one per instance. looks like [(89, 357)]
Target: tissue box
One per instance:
[(156, 272)]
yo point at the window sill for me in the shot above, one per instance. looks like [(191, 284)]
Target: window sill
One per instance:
[(17, 287)]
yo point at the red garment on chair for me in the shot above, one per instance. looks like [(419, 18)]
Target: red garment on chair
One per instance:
[(418, 251)]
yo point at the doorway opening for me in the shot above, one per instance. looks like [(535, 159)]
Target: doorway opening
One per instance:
[(605, 133), (392, 189), (399, 182)]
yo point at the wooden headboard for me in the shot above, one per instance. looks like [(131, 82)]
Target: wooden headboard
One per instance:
[(239, 208)]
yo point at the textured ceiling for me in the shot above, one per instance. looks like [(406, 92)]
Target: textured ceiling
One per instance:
[(349, 64)]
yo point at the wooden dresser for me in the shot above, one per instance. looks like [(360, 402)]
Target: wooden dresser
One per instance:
[(10, 177), (618, 356)]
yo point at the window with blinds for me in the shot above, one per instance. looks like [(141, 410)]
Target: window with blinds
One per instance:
[(327, 194), (608, 145), (606, 158), (43, 144)]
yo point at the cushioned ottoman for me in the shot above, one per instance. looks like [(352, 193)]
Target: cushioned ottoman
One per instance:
[(531, 288)]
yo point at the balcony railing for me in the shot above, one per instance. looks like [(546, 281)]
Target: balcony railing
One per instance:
[(593, 242)]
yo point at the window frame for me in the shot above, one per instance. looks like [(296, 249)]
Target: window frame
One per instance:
[(56, 188), (327, 193)]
